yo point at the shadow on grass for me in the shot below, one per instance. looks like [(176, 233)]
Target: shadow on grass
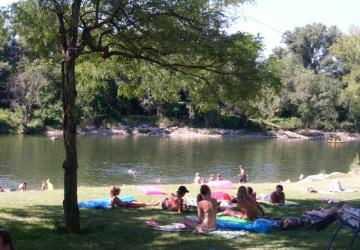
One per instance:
[(35, 228)]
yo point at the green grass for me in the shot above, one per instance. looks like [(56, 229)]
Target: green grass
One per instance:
[(34, 220)]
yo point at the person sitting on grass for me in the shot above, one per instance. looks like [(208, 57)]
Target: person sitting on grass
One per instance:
[(175, 202), (251, 192), (212, 178), (22, 187), (278, 196), (248, 207), (47, 185), (5, 240), (206, 210), (116, 202)]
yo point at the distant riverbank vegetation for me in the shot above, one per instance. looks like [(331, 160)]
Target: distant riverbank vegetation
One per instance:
[(312, 82)]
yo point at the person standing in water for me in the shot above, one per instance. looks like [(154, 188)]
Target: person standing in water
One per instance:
[(197, 179), (242, 174)]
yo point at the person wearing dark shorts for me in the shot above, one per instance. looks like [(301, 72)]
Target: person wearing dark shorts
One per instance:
[(242, 175)]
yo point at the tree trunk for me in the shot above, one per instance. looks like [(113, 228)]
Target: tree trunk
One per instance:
[(70, 203)]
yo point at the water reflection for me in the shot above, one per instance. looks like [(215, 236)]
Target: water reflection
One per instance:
[(107, 160)]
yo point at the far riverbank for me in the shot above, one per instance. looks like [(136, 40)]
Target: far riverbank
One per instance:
[(188, 132)]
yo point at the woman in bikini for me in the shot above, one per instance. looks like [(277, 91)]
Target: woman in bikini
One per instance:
[(248, 207), (116, 202), (206, 209)]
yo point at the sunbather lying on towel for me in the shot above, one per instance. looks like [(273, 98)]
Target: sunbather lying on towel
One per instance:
[(278, 196), (325, 212), (117, 203)]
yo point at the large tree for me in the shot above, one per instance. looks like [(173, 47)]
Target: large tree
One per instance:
[(311, 43), (183, 40), (347, 51)]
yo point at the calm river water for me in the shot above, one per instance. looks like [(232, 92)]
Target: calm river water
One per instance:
[(107, 160)]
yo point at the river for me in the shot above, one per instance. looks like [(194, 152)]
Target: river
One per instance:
[(106, 160)]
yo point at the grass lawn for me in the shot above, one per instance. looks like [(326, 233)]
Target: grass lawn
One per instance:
[(34, 221)]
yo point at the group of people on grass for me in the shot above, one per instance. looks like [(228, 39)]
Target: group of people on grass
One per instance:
[(201, 180), (207, 207), (22, 187)]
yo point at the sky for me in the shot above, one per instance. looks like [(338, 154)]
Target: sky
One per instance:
[(5, 2), (270, 18)]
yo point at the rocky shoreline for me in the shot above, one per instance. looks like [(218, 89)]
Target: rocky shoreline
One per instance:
[(187, 132)]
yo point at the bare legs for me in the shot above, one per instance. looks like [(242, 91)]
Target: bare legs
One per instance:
[(232, 213)]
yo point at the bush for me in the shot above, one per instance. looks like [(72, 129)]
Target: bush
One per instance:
[(50, 115), (291, 123), (347, 126), (323, 125), (35, 126), (10, 122)]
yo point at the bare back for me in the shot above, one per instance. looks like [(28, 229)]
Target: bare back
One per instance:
[(207, 210), (248, 208)]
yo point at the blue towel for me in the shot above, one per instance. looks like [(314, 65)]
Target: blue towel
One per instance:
[(103, 203), (259, 225)]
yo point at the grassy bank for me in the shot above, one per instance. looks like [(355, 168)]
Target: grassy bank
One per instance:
[(34, 220)]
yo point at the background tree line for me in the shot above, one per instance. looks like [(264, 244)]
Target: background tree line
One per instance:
[(313, 82)]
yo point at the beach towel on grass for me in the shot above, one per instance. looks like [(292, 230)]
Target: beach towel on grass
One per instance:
[(336, 186), (103, 203), (180, 227), (173, 227), (265, 198), (228, 234)]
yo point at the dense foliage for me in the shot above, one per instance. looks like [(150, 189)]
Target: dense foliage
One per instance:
[(313, 82)]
